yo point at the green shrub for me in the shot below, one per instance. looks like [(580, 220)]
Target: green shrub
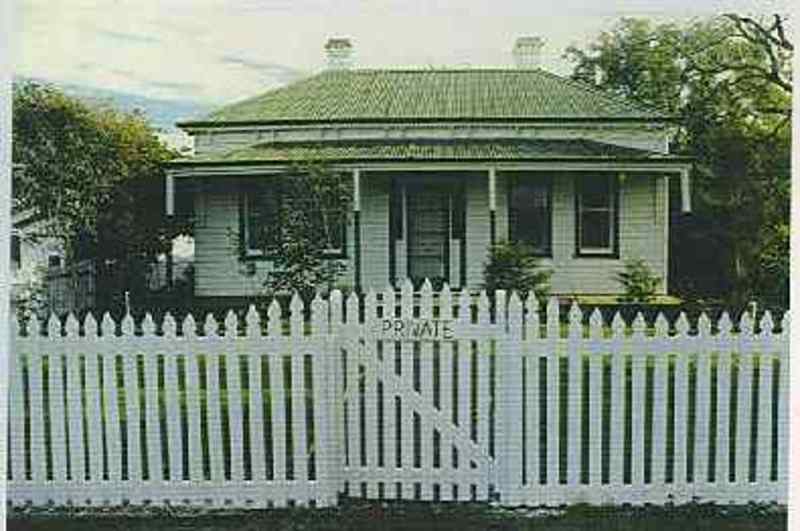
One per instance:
[(638, 281), (512, 266)]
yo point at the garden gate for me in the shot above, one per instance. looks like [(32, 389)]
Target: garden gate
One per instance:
[(399, 395)]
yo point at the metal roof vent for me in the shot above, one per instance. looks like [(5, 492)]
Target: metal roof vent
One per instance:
[(339, 51), (527, 51)]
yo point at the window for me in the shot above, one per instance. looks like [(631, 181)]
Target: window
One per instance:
[(260, 214), (596, 211), (54, 260), (16, 251), (529, 212), (261, 221)]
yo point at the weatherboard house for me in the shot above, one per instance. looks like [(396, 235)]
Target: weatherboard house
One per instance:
[(444, 163)]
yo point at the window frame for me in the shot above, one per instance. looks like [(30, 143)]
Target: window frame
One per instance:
[(547, 180), (612, 251), (248, 253), (15, 251)]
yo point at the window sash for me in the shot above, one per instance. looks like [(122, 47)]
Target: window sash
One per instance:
[(541, 214), (611, 217), (251, 217)]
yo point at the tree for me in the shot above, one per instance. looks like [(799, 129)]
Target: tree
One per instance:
[(728, 82), (313, 215), (96, 175)]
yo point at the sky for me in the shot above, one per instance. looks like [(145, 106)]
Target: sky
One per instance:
[(216, 52)]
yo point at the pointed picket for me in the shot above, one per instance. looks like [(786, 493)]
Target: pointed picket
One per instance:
[(113, 429), (233, 385), (426, 300), (746, 325), (72, 326), (169, 327), (296, 318), (725, 325), (127, 325), (553, 324), (53, 327), (682, 325), (702, 421), (152, 413), (253, 322), (189, 327), (532, 321), (75, 407), (107, 327), (173, 408), (148, 325), (596, 324), (661, 326), (90, 326), (370, 306), (446, 302), (575, 316), (388, 302), (319, 316), (639, 326), (618, 326), (352, 309), (274, 325), (785, 323), (194, 440), (501, 308), (574, 395), (766, 325), (407, 300), (484, 317), (464, 308), (133, 414), (231, 325), (34, 327), (210, 326), (56, 399)]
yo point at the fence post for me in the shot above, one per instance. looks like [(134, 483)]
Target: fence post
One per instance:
[(509, 430)]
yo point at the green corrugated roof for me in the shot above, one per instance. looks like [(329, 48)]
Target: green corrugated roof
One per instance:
[(427, 150), (425, 95)]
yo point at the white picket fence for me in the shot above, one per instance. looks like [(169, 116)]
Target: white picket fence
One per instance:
[(431, 396)]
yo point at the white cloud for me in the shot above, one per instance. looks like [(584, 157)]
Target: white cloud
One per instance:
[(216, 51)]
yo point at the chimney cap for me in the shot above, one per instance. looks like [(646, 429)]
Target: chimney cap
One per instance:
[(527, 51), (338, 43), (339, 51)]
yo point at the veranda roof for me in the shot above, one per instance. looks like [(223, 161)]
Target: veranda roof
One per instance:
[(358, 96), (461, 150)]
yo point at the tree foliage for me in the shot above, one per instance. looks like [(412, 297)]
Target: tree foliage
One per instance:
[(95, 175), (512, 266), (638, 281), (314, 211), (728, 81)]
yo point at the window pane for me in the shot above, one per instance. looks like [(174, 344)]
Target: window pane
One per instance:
[(596, 192), (16, 254), (529, 213), (595, 230), (262, 212)]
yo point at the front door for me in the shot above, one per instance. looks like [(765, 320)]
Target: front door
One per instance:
[(428, 215)]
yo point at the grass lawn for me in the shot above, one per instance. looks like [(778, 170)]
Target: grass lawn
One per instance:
[(408, 516)]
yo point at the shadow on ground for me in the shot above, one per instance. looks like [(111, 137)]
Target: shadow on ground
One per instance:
[(356, 516)]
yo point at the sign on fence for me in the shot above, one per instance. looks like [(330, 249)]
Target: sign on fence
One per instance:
[(467, 405)]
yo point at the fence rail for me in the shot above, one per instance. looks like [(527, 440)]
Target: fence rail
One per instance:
[(395, 396)]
